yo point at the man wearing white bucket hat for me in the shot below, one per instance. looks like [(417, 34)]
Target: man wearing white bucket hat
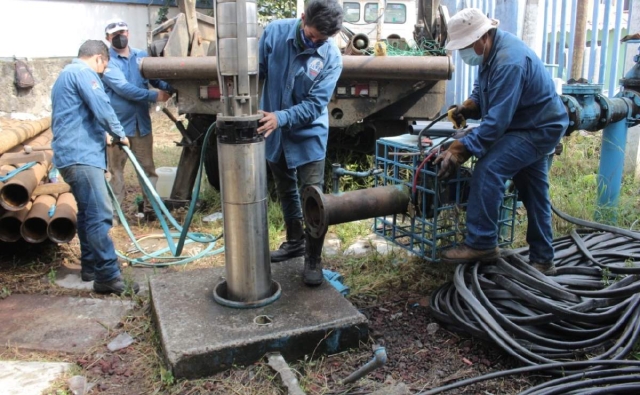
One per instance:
[(522, 121)]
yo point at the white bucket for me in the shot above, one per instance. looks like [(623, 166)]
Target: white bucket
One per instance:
[(166, 177)]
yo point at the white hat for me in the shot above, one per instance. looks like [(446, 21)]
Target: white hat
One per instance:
[(467, 26), (115, 25)]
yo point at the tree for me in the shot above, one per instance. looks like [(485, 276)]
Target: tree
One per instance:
[(269, 10)]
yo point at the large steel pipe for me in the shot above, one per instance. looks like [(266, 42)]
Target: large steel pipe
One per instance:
[(13, 133), (322, 210), (34, 227), (10, 223), (418, 68), (62, 226), (244, 206), (16, 192)]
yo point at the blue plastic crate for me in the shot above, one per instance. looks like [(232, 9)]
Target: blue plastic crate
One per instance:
[(437, 214)]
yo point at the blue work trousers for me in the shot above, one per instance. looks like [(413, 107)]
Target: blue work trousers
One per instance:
[(95, 213), (514, 157), (291, 182)]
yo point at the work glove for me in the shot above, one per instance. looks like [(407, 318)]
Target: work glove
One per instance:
[(451, 159), (458, 114)]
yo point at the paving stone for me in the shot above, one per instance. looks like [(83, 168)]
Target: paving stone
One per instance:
[(29, 378), (58, 323)]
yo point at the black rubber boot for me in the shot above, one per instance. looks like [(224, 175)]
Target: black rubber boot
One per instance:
[(312, 274), (294, 246)]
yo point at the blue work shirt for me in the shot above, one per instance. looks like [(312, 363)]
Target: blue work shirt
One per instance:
[(515, 94), (81, 113), (297, 88), (129, 91)]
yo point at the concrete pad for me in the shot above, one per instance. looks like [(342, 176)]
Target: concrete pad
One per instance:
[(57, 323), (200, 337), (29, 378)]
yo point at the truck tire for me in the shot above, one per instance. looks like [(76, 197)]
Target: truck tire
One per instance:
[(211, 167)]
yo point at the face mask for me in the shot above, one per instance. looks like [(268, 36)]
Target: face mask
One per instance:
[(307, 43), (470, 57), (120, 41)]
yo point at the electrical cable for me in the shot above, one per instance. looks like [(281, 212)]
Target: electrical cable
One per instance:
[(588, 309)]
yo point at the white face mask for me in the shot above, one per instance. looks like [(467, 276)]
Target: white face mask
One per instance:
[(470, 57)]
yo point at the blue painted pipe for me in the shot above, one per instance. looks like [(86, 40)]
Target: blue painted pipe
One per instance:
[(563, 37), (594, 43), (614, 140)]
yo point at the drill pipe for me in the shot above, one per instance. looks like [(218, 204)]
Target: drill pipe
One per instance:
[(34, 226), (62, 226), (16, 192), (418, 68), (14, 133), (10, 223), (322, 210)]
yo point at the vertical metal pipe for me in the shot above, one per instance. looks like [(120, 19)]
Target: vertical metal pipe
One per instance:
[(594, 42), (613, 73), (563, 36), (554, 25), (545, 31), (605, 41), (614, 140), (244, 197)]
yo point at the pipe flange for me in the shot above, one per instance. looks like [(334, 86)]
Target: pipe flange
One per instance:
[(634, 97), (605, 111), (316, 216), (574, 110), (220, 296)]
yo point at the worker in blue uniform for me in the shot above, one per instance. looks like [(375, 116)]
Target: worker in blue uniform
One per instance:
[(522, 120), (300, 64), (81, 113), (130, 97)]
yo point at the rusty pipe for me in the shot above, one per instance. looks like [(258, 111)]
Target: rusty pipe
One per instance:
[(34, 227), (15, 133), (10, 223), (418, 68), (62, 226), (17, 191), (321, 210)]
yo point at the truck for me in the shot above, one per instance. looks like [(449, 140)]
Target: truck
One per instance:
[(376, 96)]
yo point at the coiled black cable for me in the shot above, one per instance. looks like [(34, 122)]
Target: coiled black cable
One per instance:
[(588, 309)]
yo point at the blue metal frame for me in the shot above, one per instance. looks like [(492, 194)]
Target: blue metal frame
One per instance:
[(439, 218)]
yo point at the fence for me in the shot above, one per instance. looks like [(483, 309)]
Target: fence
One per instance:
[(556, 20)]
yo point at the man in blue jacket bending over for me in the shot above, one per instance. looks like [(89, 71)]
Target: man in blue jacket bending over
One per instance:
[(130, 97), (80, 116), (300, 64), (522, 121)]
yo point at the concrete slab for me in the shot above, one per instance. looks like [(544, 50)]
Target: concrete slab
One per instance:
[(57, 323), (200, 337), (29, 378)]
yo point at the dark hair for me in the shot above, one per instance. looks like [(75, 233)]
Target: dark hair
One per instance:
[(324, 15), (93, 47)]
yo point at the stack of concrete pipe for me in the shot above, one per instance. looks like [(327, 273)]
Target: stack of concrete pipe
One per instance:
[(32, 207)]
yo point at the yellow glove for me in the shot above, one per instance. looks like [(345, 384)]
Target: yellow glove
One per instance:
[(458, 114)]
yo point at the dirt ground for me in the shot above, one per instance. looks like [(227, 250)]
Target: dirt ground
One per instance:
[(421, 353)]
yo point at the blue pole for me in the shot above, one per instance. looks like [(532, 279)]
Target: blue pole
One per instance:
[(613, 74), (563, 37), (594, 42), (614, 140), (605, 42), (572, 36), (545, 32), (552, 50)]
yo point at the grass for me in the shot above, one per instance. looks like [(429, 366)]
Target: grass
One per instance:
[(375, 277)]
